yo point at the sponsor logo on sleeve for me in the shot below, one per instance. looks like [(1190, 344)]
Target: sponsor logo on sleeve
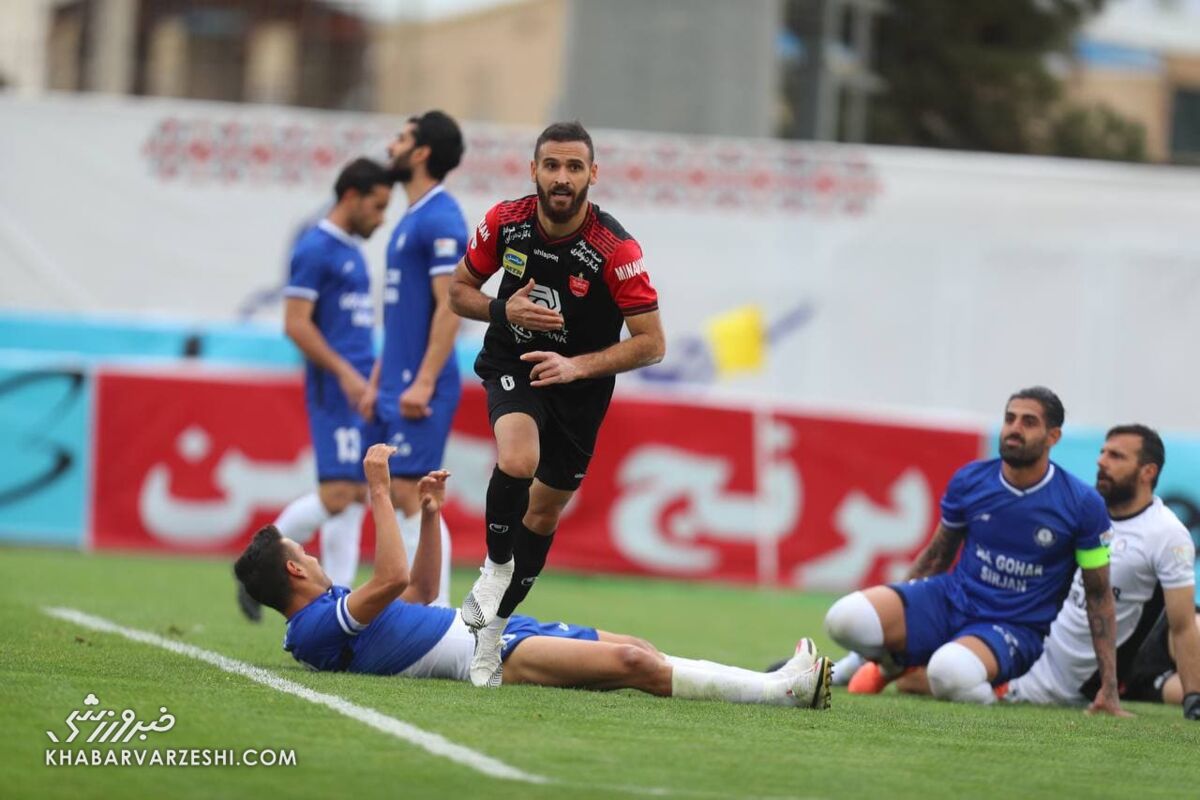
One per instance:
[(445, 248), (632, 269), (514, 262)]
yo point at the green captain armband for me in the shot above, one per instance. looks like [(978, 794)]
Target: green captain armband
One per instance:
[(1092, 559)]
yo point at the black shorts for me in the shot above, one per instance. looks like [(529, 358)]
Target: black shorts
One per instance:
[(568, 416), (1144, 661)]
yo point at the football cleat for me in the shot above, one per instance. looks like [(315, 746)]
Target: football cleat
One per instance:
[(811, 688), (486, 667), (483, 601), (251, 609), (869, 679), (805, 655)]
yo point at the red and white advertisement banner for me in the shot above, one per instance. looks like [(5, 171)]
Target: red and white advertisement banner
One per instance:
[(193, 463)]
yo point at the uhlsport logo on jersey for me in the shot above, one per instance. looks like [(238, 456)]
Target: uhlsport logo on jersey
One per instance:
[(514, 262)]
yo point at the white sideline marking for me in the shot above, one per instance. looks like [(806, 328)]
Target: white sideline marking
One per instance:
[(430, 742)]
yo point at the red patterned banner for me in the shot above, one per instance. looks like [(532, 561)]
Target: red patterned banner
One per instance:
[(194, 462)]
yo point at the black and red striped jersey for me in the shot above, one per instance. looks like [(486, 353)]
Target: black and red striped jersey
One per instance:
[(594, 277)]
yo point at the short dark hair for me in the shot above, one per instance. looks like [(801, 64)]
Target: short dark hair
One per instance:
[(1052, 408), (439, 131), (262, 569), (362, 175), (565, 132), (1152, 450)]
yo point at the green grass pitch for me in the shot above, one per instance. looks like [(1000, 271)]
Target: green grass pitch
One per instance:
[(592, 745)]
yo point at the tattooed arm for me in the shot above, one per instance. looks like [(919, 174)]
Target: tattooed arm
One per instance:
[(1102, 619), (939, 554)]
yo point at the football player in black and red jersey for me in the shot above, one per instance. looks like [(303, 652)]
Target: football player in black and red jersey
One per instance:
[(572, 277)]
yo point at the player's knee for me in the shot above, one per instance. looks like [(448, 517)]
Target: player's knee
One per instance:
[(955, 673), (542, 515), (336, 496), (854, 624), (518, 464), (405, 496), (634, 660)]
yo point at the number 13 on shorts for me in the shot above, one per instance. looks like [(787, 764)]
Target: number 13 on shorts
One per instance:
[(349, 445)]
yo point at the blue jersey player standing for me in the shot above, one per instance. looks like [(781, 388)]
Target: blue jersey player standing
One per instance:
[(329, 314), (416, 377), (1019, 525)]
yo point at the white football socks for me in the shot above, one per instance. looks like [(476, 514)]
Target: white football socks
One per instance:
[(955, 673), (300, 519), (706, 680), (845, 668), (410, 532), (853, 623), (340, 540)]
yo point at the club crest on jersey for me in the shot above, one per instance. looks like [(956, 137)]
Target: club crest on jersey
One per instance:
[(514, 262), (578, 285), (1044, 537)]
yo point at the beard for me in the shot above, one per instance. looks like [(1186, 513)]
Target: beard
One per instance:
[(559, 217), (401, 170), (1021, 454), (1116, 492)]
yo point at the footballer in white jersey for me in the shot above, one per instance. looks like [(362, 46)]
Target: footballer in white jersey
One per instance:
[(1152, 547), (1150, 550)]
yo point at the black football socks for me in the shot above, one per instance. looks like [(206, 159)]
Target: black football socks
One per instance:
[(507, 499)]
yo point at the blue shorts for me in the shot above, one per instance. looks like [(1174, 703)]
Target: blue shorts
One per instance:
[(420, 443), (931, 619), (340, 437), (520, 628)]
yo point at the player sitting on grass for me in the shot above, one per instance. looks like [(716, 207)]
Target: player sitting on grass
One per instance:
[(384, 627)]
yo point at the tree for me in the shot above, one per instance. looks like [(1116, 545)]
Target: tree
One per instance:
[(976, 76)]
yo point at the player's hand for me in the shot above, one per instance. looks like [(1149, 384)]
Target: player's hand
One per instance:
[(414, 402), (366, 406), (354, 386), (522, 311), (550, 368), (1107, 702), (432, 490), (375, 465)]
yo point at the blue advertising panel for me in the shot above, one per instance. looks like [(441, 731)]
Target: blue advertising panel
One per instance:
[(44, 411)]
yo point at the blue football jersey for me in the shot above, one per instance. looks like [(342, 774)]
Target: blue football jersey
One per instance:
[(428, 241), (329, 269), (324, 636), (1018, 556)]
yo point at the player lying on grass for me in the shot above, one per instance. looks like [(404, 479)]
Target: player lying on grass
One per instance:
[(384, 627)]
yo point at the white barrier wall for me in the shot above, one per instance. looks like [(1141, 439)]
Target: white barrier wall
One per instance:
[(914, 279)]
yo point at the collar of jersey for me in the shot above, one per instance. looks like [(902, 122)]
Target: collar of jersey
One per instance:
[(425, 198), (1022, 492), (337, 233), (546, 240), (1153, 502)]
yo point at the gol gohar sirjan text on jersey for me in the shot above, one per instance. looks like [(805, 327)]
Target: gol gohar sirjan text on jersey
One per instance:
[(594, 277)]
